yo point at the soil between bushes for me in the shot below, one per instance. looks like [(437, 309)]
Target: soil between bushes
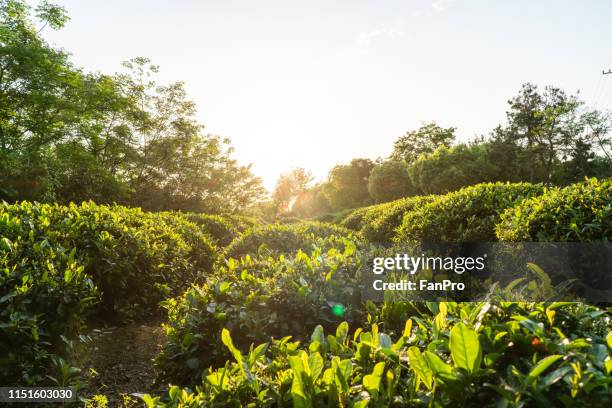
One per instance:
[(119, 362)]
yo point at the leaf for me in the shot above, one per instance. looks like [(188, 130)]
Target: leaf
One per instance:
[(436, 364), (609, 339), (465, 348), (342, 332), (545, 281), (542, 366), (371, 382), (226, 338), (420, 367), (318, 335), (173, 392), (384, 341), (407, 328), (315, 361)]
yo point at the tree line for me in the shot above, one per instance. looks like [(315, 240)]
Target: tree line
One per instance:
[(67, 135), (549, 137), (70, 135)]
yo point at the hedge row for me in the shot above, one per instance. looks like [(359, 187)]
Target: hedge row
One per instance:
[(282, 238), (258, 298), (56, 262), (580, 212), (466, 215)]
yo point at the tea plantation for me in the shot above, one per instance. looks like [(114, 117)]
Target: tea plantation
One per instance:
[(271, 315)]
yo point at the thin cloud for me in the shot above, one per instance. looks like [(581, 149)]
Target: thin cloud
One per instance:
[(441, 5), (366, 38)]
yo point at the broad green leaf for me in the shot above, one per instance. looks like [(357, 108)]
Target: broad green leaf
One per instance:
[(420, 367), (465, 348), (342, 332), (542, 366), (371, 382), (315, 361), (436, 364)]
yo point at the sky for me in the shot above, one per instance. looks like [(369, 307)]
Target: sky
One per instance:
[(315, 83)]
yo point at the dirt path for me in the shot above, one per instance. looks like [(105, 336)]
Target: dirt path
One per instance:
[(120, 361)]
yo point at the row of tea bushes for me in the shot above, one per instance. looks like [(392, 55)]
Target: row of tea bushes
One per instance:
[(223, 229), (490, 212), (381, 221), (44, 294), (581, 212), (258, 298), (469, 214), (466, 215), (58, 263), (459, 354), (277, 239), (133, 257)]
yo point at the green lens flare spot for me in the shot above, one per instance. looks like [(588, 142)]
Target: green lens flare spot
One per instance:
[(338, 310)]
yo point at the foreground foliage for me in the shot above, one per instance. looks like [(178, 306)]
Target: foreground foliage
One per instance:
[(258, 298), (466, 354)]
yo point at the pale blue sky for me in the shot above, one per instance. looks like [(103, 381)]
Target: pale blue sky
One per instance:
[(314, 83)]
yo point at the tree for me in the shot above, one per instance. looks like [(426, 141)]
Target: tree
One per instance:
[(347, 185), (389, 181), (551, 128), (424, 140), (450, 168), (175, 165), (36, 82), (311, 202), (66, 135), (288, 186)]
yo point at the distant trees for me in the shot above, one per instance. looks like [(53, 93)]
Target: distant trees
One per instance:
[(347, 186), (424, 140), (552, 136), (549, 137), (450, 168), (390, 180), (66, 135), (288, 186)]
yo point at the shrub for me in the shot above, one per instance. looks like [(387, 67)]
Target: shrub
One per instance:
[(282, 238), (381, 221), (579, 212), (256, 298), (44, 294), (135, 258), (242, 222), (467, 215), (462, 354), (218, 228), (354, 220)]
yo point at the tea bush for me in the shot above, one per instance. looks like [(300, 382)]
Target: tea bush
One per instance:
[(218, 228), (466, 215), (381, 221), (135, 258), (44, 294), (242, 222), (579, 212), (282, 238), (354, 219), (462, 354), (257, 298)]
